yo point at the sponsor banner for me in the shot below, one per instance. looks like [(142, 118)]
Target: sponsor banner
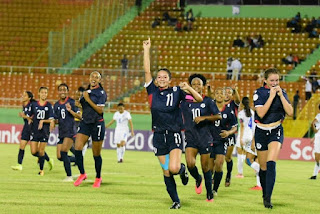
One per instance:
[(292, 148)]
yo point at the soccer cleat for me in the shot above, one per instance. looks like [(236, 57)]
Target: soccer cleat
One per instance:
[(80, 179), (256, 188), (239, 176), (17, 167), (68, 179), (97, 183), (41, 173), (227, 183), (184, 176), (51, 164), (175, 205), (209, 197), (120, 161), (313, 177), (215, 193), (198, 186), (267, 203)]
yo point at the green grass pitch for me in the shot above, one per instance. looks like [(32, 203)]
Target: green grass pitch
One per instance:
[(136, 186)]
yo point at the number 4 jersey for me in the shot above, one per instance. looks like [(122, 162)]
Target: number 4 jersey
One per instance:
[(41, 112)]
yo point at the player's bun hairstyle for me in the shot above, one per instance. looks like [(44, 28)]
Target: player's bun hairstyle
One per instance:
[(246, 102), (120, 104), (30, 95), (166, 70), (269, 71), (63, 84), (43, 87), (200, 76)]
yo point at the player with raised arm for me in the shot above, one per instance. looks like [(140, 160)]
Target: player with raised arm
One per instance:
[(166, 123)]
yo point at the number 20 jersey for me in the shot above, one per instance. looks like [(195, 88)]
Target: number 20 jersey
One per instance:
[(41, 112)]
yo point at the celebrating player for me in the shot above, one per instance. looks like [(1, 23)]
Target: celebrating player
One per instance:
[(166, 123), (92, 124), (122, 118), (272, 104)]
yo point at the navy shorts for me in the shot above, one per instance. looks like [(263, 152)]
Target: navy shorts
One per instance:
[(218, 148), (231, 140), (40, 136), (163, 143), (264, 137), (26, 133), (203, 145), (61, 139), (95, 130)]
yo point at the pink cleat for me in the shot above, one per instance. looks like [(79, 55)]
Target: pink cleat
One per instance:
[(80, 179), (239, 176), (198, 186), (97, 183), (256, 188), (209, 200)]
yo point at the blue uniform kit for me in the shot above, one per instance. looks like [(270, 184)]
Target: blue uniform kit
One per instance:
[(26, 131)]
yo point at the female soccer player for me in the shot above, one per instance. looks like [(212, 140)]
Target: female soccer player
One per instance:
[(232, 100), (27, 100), (316, 148), (92, 124), (221, 131), (42, 124), (122, 118), (198, 117), (246, 132), (272, 104), (65, 112), (166, 123)]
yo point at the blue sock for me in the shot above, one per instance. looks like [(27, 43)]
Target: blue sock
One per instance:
[(41, 162), (194, 172), (98, 165), (79, 161), (262, 175), (66, 163), (46, 157), (229, 168), (20, 156), (208, 182), (171, 188), (270, 178), (72, 159), (217, 179)]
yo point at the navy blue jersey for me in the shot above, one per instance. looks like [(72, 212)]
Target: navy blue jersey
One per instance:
[(276, 111), (99, 97), (27, 111), (191, 110), (164, 104), (64, 117), (41, 112), (228, 121), (234, 107)]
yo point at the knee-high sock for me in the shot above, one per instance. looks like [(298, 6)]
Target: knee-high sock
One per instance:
[(79, 161), (66, 163), (208, 182), (316, 169), (171, 188), (46, 157), (258, 179), (72, 150), (229, 168), (240, 164), (72, 159), (255, 166), (123, 149), (118, 153), (194, 173), (84, 149), (217, 179), (20, 156), (98, 165), (36, 154), (263, 176), (41, 162), (271, 177)]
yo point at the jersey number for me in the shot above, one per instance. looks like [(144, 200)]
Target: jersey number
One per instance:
[(177, 139), (169, 99), (195, 112), (217, 123), (41, 114), (63, 113), (99, 130)]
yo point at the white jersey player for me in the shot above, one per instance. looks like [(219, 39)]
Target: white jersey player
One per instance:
[(316, 147), (121, 134)]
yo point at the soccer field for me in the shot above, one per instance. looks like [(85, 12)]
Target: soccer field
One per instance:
[(136, 186)]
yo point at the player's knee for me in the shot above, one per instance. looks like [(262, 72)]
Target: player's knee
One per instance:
[(191, 163), (35, 154), (174, 169)]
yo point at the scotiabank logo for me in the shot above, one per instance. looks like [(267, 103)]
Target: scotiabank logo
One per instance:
[(297, 149), (10, 133)]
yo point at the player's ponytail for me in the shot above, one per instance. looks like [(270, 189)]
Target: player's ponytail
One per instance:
[(30, 95), (246, 102)]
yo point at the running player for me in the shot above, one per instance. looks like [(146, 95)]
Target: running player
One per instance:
[(232, 100), (316, 147), (166, 123), (65, 112), (27, 100), (221, 131), (122, 117), (272, 104), (92, 124), (42, 124), (198, 117)]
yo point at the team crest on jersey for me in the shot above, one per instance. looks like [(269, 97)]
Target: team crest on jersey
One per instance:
[(259, 146), (58, 108), (25, 109), (46, 108), (174, 88), (89, 91), (102, 92), (161, 93), (203, 105), (224, 115), (228, 105), (255, 97)]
